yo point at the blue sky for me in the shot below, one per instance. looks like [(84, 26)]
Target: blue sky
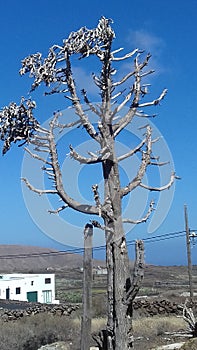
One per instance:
[(167, 30)]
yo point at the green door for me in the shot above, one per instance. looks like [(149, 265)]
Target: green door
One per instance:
[(32, 296)]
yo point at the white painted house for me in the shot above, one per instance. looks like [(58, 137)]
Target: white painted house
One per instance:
[(28, 287)]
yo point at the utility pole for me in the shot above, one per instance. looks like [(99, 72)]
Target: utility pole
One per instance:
[(87, 288), (189, 260)]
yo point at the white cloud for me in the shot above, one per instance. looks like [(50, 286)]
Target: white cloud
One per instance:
[(146, 41), (150, 43), (84, 80)]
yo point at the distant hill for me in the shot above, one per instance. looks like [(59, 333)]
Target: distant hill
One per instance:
[(19, 258)]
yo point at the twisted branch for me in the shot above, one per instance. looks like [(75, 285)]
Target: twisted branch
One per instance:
[(144, 219), (162, 188)]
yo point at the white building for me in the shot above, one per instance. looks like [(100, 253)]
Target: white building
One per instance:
[(28, 287)]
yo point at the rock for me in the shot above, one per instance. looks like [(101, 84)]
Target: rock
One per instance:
[(190, 345), (173, 346), (56, 346), (14, 314)]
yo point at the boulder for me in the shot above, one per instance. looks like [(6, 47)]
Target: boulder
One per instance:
[(56, 346)]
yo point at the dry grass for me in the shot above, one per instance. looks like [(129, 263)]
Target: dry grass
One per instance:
[(32, 332), (148, 331), (97, 323), (155, 326)]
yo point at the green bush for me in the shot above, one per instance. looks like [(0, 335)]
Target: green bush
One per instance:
[(72, 297)]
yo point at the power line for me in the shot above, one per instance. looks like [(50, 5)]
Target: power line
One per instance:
[(152, 239), (162, 237)]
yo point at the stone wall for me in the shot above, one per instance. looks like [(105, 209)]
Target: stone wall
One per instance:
[(13, 311), (146, 307)]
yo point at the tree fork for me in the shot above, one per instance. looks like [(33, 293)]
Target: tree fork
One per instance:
[(111, 339)]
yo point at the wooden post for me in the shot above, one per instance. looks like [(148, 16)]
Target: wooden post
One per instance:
[(87, 289), (189, 260)]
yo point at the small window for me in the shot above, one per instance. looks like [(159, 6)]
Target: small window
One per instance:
[(47, 280), (18, 290), (32, 283)]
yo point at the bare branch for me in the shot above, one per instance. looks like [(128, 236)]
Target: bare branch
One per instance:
[(138, 273), (38, 149), (101, 227), (97, 197), (147, 73), (84, 160), (118, 94), (96, 194), (83, 208), (117, 50), (50, 173), (36, 190), (189, 317), (162, 188), (91, 106), (125, 78), (155, 102), (123, 122), (39, 137), (56, 90), (128, 55), (146, 155), (40, 129), (40, 144), (75, 101), (121, 105), (93, 160), (68, 125), (143, 115), (36, 156), (159, 163), (144, 219), (156, 140), (132, 152), (58, 210)]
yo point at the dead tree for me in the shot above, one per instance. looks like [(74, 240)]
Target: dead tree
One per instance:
[(18, 123), (189, 317)]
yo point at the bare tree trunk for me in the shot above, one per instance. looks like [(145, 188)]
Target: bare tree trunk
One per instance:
[(119, 284), (87, 289), (120, 298)]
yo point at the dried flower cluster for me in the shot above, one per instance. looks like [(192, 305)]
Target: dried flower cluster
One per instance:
[(84, 42), (17, 123), (41, 70), (90, 41)]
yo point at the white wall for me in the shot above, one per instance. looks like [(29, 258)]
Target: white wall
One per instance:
[(27, 283)]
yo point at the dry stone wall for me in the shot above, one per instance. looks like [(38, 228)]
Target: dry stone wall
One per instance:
[(145, 307), (12, 310)]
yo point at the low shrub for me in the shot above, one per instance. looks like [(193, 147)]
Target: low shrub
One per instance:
[(30, 333), (71, 297)]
